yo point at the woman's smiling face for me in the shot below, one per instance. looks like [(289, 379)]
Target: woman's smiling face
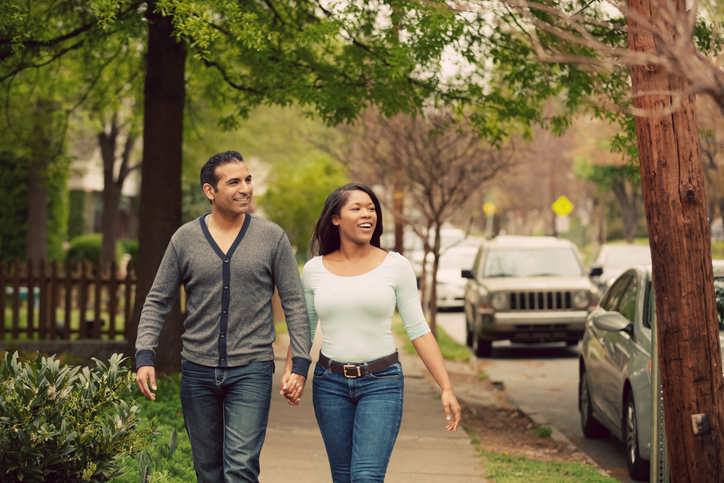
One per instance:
[(357, 219)]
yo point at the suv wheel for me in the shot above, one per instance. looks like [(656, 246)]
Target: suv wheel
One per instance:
[(482, 347), (638, 467), (469, 331), (591, 427)]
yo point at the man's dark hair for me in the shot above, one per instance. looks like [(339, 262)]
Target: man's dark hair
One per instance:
[(208, 171), (325, 238)]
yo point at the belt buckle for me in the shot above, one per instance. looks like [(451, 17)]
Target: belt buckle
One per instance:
[(353, 367)]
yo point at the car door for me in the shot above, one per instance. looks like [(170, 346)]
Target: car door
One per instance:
[(619, 347), (597, 354)]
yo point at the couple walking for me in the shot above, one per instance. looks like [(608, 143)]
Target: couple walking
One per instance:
[(229, 263)]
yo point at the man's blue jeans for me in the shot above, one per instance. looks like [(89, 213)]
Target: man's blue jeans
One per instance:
[(359, 420), (226, 410)]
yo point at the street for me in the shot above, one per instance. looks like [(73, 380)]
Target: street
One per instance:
[(543, 379)]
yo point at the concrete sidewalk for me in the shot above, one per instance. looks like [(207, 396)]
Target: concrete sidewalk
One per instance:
[(424, 452)]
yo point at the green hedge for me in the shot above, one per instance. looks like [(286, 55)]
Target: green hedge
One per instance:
[(87, 248), (13, 206), (14, 172)]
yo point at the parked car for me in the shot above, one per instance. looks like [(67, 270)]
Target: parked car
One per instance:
[(614, 391), (526, 289), (449, 237), (612, 260), (450, 282)]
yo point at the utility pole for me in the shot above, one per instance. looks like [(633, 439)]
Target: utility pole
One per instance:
[(676, 212)]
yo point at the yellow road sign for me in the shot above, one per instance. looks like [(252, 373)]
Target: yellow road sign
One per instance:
[(489, 208), (562, 206)]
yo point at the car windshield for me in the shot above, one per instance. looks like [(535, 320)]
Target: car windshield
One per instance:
[(626, 257), (453, 260), (547, 262)]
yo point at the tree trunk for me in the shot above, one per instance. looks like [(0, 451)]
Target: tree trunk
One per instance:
[(111, 196), (674, 197), (433, 280), (36, 246), (160, 210), (398, 203), (629, 209)]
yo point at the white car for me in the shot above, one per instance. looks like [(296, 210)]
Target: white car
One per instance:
[(613, 260), (450, 282), (614, 391)]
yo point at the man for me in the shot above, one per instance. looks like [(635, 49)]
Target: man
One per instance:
[(229, 263)]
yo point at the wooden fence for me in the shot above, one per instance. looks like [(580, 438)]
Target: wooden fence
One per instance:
[(56, 301)]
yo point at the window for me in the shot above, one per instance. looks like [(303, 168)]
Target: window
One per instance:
[(614, 294), (651, 306), (532, 262), (627, 307)]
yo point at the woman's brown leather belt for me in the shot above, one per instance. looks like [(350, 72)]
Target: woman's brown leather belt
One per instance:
[(353, 371)]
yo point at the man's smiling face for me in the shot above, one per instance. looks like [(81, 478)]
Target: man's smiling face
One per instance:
[(234, 190)]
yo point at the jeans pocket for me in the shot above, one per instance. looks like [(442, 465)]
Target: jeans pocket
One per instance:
[(392, 372), (320, 372)]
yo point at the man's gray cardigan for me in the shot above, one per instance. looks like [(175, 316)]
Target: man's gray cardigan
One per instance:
[(229, 307)]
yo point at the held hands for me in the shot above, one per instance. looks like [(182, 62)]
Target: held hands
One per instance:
[(142, 375), (292, 387), (451, 405)]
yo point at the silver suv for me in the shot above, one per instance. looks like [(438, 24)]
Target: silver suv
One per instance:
[(526, 289)]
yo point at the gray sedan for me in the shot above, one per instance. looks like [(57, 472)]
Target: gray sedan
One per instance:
[(614, 394)]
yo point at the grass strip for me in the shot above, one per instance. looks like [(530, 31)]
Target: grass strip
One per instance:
[(503, 468), (450, 349)]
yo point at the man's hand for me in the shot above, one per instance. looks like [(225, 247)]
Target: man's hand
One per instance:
[(292, 387), (143, 374)]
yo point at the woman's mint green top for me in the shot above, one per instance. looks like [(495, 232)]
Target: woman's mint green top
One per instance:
[(355, 313)]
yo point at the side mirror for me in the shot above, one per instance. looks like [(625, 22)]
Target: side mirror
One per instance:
[(596, 272), (612, 322), (467, 274)]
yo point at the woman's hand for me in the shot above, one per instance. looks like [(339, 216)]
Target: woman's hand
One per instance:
[(292, 387), (452, 409)]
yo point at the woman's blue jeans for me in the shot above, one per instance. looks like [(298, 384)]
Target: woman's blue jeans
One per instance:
[(359, 420), (226, 410)]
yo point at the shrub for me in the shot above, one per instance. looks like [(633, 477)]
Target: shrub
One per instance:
[(66, 424), (130, 247), (85, 248)]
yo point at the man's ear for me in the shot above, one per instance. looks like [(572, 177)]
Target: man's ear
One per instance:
[(209, 191)]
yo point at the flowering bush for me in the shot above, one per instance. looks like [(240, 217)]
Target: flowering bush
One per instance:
[(66, 424)]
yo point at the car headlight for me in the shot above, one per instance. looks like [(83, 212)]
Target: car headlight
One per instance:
[(499, 301), (580, 299)]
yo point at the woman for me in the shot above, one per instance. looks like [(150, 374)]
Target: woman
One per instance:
[(352, 287)]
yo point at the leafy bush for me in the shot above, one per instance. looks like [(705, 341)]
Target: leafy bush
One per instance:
[(85, 248), (131, 247), (77, 225), (66, 424), (13, 205)]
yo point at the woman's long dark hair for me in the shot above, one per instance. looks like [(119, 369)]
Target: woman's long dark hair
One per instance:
[(325, 238)]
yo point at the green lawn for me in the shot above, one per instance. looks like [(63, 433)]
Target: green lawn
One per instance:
[(450, 349), (60, 316)]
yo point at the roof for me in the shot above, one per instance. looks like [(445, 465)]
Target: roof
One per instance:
[(516, 241)]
